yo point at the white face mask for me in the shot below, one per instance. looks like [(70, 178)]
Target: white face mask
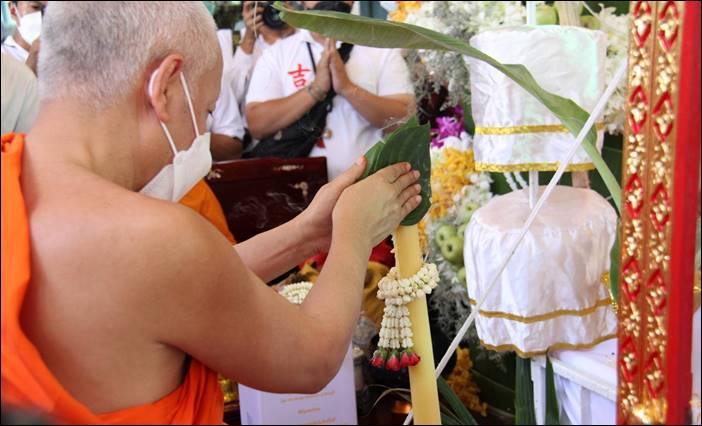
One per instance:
[(30, 26), (188, 167)]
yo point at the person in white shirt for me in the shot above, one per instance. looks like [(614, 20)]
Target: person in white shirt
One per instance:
[(373, 90), (23, 45), (20, 99), (256, 37), (225, 124)]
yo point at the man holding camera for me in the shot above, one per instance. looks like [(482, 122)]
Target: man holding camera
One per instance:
[(263, 28), (372, 92)]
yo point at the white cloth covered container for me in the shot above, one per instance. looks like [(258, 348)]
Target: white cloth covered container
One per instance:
[(551, 294), (514, 131)]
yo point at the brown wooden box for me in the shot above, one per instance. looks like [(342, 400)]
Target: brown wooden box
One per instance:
[(260, 194)]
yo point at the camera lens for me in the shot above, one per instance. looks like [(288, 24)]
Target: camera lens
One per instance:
[(271, 17)]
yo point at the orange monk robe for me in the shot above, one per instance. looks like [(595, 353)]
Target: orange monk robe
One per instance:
[(27, 382), (203, 200)]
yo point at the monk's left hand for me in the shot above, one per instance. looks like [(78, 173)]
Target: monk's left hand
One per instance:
[(317, 217)]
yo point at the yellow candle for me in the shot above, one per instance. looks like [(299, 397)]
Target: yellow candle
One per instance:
[(425, 396)]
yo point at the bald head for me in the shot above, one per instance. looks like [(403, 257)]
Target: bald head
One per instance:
[(97, 52)]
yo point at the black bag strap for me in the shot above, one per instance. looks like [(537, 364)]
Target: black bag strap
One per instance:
[(314, 65)]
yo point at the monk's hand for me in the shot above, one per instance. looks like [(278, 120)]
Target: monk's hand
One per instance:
[(370, 210), (317, 218)]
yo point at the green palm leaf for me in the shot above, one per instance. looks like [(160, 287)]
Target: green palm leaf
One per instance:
[(524, 394)]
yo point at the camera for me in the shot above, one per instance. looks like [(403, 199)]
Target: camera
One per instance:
[(271, 15)]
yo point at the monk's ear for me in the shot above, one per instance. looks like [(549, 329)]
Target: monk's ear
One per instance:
[(160, 83)]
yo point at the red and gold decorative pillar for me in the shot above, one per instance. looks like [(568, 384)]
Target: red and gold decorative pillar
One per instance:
[(661, 197)]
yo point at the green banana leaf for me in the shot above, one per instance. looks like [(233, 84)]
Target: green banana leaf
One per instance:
[(460, 411), (524, 394), (410, 142), (378, 33), (552, 411), (448, 420), (468, 122)]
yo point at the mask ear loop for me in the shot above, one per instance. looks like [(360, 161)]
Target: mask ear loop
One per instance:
[(163, 126), (190, 102)]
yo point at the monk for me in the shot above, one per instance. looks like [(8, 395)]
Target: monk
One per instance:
[(118, 303)]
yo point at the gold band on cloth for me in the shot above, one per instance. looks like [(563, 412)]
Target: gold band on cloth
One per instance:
[(514, 130), (606, 278), (528, 167), (544, 317), (553, 314), (553, 347)]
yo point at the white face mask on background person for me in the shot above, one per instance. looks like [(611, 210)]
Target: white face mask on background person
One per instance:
[(188, 167), (30, 26)]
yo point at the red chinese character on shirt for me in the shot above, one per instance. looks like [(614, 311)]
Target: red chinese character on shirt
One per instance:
[(298, 76)]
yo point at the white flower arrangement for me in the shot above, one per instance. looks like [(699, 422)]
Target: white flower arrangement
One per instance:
[(616, 28), (296, 293)]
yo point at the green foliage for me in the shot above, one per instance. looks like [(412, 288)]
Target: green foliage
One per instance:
[(524, 394)]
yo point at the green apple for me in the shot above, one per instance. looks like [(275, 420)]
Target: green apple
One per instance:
[(467, 209), (462, 275), (452, 250), (546, 15), (444, 233), (590, 22)]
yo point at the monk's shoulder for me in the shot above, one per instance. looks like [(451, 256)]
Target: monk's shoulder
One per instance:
[(124, 238)]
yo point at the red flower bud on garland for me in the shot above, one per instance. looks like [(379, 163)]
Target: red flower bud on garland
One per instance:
[(378, 360), (414, 359), (404, 360), (393, 363)]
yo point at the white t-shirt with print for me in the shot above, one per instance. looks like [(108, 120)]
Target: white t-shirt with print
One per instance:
[(285, 68), (242, 67)]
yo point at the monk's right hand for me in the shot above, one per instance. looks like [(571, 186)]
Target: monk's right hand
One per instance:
[(373, 208)]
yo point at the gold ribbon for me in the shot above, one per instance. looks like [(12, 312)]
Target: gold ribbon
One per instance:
[(553, 314), (528, 167), (553, 347), (544, 317), (513, 130)]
